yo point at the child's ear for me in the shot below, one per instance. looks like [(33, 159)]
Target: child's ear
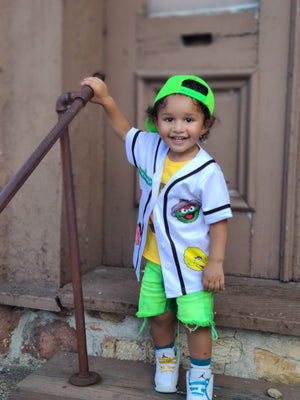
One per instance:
[(207, 125), (154, 120)]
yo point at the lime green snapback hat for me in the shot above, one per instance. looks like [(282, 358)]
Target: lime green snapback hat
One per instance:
[(174, 86)]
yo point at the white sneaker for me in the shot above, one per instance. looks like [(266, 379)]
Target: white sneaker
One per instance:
[(166, 374), (199, 384)]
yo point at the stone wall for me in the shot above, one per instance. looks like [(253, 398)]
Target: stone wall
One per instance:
[(31, 337)]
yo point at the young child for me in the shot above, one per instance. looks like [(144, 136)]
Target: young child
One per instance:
[(182, 224)]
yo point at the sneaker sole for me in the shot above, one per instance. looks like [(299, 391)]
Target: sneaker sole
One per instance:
[(162, 389)]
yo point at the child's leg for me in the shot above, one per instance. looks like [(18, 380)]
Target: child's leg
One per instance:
[(199, 377), (167, 359), (195, 310), (200, 343), (163, 329), (154, 305)]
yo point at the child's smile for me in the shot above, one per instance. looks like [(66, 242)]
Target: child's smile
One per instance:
[(180, 124)]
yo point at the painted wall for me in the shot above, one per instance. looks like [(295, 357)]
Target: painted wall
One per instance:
[(46, 52)]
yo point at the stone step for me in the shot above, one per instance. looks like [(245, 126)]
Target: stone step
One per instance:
[(129, 380)]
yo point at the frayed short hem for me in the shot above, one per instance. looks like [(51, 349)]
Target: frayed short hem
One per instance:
[(193, 326), (142, 327)]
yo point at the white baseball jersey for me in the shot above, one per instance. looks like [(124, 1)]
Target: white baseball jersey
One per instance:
[(195, 197)]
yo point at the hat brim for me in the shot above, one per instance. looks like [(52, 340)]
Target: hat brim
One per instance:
[(150, 125)]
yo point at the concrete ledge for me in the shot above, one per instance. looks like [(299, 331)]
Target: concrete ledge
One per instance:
[(107, 289), (29, 296), (255, 304)]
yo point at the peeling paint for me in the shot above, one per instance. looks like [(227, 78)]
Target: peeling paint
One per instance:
[(238, 35), (17, 338)]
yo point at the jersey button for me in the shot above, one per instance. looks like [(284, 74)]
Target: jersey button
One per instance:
[(162, 245)]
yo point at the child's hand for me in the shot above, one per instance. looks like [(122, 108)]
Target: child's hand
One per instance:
[(213, 274), (119, 122), (213, 277), (101, 95)]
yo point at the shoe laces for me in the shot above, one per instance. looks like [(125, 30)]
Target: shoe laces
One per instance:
[(199, 385), (167, 363)]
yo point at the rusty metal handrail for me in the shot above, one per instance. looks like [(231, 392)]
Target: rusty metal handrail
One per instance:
[(67, 107), (36, 157)]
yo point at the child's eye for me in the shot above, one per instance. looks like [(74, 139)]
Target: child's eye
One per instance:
[(169, 119), (183, 210), (188, 120)]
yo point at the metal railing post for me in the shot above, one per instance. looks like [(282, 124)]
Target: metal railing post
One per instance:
[(84, 377)]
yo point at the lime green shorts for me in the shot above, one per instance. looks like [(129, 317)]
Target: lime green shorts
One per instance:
[(193, 310)]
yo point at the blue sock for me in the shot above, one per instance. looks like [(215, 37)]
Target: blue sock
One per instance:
[(200, 363), (170, 346)]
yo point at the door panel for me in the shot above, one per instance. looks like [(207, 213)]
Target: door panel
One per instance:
[(233, 44), (232, 51)]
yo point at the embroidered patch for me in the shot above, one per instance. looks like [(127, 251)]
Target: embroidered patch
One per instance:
[(186, 210), (195, 258), (145, 177), (138, 232)]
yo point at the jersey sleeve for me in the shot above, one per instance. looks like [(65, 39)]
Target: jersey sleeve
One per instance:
[(140, 146), (215, 198), (131, 146)]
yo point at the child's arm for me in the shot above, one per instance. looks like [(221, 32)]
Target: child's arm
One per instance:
[(118, 121), (213, 275)]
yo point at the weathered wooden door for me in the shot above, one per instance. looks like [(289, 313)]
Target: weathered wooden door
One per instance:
[(244, 53)]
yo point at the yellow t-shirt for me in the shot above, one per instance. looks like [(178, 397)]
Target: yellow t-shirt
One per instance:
[(151, 249)]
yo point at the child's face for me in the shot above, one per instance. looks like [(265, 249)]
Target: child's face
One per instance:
[(180, 124)]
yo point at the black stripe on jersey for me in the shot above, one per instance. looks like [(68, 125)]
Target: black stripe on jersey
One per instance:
[(142, 228), (216, 209), (175, 256), (133, 145), (155, 157)]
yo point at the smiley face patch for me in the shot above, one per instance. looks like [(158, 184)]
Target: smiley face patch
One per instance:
[(195, 258), (186, 210)]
